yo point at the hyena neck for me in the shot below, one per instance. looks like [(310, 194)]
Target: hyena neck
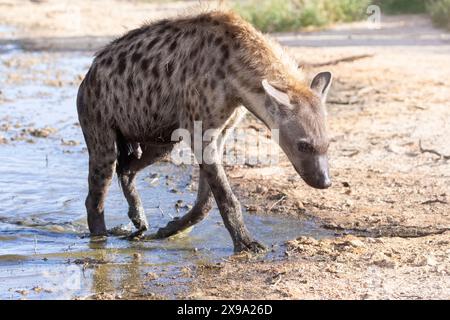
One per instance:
[(258, 104)]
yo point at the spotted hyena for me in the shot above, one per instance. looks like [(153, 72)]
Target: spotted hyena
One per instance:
[(167, 75)]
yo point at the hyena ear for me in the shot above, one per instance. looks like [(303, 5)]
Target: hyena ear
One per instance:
[(321, 84), (279, 96)]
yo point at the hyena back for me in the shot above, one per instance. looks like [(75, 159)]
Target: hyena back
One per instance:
[(169, 74)]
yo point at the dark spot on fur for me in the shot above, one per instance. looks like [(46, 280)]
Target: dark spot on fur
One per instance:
[(220, 73), (163, 26), (152, 43), (193, 53), (144, 64), (121, 66), (155, 71), (98, 90), (122, 55), (136, 57), (149, 101), (108, 61), (93, 76), (202, 43), (130, 84), (158, 87), (225, 52), (99, 117), (210, 38), (101, 54), (173, 45), (213, 84), (218, 41)]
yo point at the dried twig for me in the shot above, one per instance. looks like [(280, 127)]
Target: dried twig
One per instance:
[(276, 202), (277, 281), (351, 153), (340, 102), (432, 151), (337, 61), (434, 201)]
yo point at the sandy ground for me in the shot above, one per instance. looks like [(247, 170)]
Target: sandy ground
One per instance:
[(389, 121)]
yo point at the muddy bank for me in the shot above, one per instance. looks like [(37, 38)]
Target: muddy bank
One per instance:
[(344, 268)]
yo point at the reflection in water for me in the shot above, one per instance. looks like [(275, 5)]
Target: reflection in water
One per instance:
[(44, 251)]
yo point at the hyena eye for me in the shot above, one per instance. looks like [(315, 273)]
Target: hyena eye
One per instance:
[(305, 147)]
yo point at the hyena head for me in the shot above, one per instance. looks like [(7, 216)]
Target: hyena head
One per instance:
[(301, 118)]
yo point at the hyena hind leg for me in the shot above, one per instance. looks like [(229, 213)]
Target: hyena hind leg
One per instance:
[(102, 162), (199, 211), (127, 170)]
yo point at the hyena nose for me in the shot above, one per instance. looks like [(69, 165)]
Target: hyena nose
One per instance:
[(323, 180), (323, 174), (326, 182)]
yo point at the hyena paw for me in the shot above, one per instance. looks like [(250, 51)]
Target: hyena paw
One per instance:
[(170, 229), (137, 216), (137, 235), (250, 246)]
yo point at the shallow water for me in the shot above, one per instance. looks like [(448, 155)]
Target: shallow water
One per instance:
[(44, 248)]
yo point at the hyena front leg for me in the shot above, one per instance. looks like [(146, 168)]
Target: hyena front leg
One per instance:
[(203, 203), (230, 208), (136, 211)]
